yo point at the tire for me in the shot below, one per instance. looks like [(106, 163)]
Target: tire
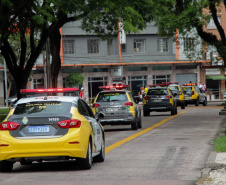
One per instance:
[(197, 102), (139, 124), (205, 102), (134, 125), (183, 105), (23, 162), (6, 166), (101, 156), (86, 163), (173, 111), (146, 113)]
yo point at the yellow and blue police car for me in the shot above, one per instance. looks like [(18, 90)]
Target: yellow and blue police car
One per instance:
[(118, 106), (45, 128)]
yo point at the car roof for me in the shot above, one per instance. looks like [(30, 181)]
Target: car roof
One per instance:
[(49, 98)]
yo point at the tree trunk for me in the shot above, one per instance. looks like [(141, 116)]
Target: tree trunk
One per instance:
[(55, 40)]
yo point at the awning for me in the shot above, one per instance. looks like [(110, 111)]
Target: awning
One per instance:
[(216, 77)]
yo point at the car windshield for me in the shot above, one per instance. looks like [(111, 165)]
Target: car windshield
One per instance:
[(157, 92), (112, 96), (186, 88), (173, 88), (40, 108)]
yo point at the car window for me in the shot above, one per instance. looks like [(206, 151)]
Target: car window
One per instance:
[(112, 96), (82, 109), (131, 97), (90, 112), (173, 88), (157, 92), (186, 88), (46, 107)]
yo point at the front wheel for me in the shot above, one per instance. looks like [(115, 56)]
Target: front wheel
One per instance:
[(139, 124), (101, 156), (197, 102), (183, 105), (205, 102), (134, 124), (86, 163), (146, 113)]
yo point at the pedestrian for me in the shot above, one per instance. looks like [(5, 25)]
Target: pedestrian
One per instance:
[(81, 94), (146, 89), (141, 93), (200, 87), (204, 88)]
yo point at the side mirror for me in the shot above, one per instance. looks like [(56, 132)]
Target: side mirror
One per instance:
[(174, 94), (100, 116)]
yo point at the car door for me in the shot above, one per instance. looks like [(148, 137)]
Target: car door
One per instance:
[(96, 128)]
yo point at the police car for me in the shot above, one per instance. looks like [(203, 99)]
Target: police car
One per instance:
[(50, 128), (118, 106), (193, 95), (159, 98), (179, 95)]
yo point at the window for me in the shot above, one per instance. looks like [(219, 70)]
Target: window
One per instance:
[(38, 83), (158, 79), (68, 47), (97, 70), (93, 46), (189, 43), (211, 24), (163, 45), (139, 45), (137, 68), (123, 48), (161, 67), (81, 109), (110, 46)]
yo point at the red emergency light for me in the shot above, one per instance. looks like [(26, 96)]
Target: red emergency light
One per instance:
[(54, 90), (162, 84), (189, 84), (114, 86)]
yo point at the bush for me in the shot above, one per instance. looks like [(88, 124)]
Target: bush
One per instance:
[(220, 144)]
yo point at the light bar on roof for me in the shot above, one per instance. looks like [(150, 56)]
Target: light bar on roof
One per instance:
[(51, 90), (162, 84), (113, 86), (189, 84)]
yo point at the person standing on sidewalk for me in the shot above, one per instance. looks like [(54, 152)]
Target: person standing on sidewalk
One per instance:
[(81, 94)]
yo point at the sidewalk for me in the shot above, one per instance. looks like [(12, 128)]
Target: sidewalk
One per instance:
[(215, 171)]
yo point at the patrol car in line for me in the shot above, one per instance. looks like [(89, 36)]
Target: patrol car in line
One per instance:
[(179, 95), (118, 106), (193, 94), (51, 128), (159, 98)]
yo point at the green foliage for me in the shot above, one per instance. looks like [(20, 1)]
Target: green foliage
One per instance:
[(4, 110), (74, 79), (220, 144)]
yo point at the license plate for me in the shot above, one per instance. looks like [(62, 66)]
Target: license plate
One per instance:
[(111, 109), (38, 129), (157, 100)]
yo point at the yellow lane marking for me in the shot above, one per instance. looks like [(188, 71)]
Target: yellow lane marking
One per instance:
[(119, 143)]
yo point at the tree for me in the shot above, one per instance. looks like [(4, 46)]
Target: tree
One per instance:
[(74, 79), (185, 15), (42, 19)]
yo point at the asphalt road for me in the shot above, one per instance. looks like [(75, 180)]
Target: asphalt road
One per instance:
[(167, 150)]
